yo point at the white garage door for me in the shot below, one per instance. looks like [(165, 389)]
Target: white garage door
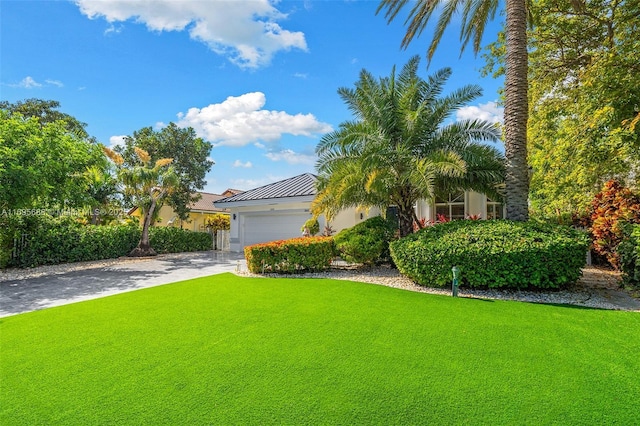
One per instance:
[(271, 227)]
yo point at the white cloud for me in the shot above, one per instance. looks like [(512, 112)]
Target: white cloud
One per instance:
[(27, 83), (239, 121), (239, 163), (116, 140), (301, 75), (489, 112), (54, 83), (246, 32), (291, 157)]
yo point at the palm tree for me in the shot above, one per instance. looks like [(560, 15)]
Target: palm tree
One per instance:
[(397, 148), (475, 15), (148, 185)]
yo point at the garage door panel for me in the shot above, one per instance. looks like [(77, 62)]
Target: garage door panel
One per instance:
[(264, 228)]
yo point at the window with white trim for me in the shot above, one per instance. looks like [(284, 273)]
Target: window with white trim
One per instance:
[(495, 210), (452, 207)]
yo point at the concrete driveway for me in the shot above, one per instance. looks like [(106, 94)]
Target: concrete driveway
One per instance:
[(47, 286)]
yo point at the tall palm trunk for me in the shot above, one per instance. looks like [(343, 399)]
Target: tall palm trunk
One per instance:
[(516, 112)]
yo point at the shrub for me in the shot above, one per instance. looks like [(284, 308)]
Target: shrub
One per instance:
[(45, 240), (176, 240), (366, 242), (494, 253), (629, 252), (290, 256), (614, 206)]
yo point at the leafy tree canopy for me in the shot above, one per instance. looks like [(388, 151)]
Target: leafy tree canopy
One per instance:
[(585, 84), (44, 165), (398, 149), (190, 156), (46, 112)]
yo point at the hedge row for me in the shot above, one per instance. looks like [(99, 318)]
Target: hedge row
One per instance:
[(494, 254), (290, 256), (629, 251), (44, 240)]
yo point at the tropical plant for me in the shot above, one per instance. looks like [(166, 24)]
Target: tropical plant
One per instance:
[(190, 156), (475, 15), (398, 150), (217, 222), (611, 209), (148, 184)]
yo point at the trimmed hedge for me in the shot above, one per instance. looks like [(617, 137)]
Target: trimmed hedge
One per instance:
[(294, 255), (629, 251), (495, 253), (176, 240), (51, 241), (366, 242)]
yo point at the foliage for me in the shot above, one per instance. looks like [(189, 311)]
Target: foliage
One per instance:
[(51, 240), (475, 14), (148, 185), (611, 208), (584, 76), (367, 242), (167, 239), (629, 252), (493, 253), (398, 148), (217, 222), (312, 225), (32, 174), (229, 350), (190, 156), (46, 112), (294, 255)]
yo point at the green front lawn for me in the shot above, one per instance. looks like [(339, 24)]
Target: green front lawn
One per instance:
[(232, 350)]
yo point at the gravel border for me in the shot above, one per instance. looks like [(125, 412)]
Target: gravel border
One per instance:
[(578, 295)]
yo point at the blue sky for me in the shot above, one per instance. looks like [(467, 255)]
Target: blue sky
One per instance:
[(257, 78)]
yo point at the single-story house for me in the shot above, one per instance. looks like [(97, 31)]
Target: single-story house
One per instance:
[(199, 211), (279, 210)]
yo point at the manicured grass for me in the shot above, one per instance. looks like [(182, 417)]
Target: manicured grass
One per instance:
[(230, 350)]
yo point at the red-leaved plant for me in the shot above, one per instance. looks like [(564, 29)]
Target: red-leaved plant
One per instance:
[(611, 208)]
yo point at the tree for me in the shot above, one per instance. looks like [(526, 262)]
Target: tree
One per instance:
[(398, 149), (585, 74), (43, 165), (190, 160), (475, 15), (148, 184), (46, 112)]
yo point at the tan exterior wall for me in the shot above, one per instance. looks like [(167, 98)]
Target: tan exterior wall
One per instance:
[(167, 217)]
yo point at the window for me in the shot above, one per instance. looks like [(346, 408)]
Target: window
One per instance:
[(494, 210), (452, 207)]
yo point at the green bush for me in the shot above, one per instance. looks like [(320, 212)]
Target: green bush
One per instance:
[(290, 256), (45, 240), (366, 242), (176, 240), (494, 254), (629, 251)]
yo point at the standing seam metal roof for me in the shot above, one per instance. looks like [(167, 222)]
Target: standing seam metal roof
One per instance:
[(297, 186)]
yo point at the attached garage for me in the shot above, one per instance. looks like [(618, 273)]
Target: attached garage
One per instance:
[(271, 226), (272, 212)]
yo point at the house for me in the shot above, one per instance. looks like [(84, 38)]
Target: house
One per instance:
[(199, 211), (278, 211)]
